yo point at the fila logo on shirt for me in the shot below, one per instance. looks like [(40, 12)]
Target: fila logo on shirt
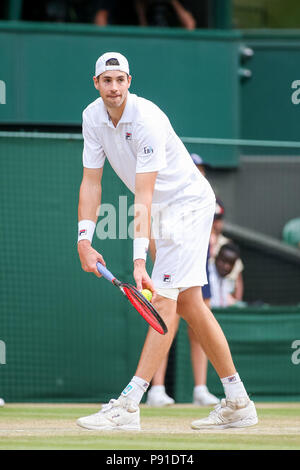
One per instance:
[(128, 136), (167, 278)]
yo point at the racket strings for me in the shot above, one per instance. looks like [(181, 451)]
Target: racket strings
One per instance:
[(145, 308)]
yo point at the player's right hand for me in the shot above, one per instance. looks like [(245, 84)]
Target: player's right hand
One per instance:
[(142, 279), (89, 257)]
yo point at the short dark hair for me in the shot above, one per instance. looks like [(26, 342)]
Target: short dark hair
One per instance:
[(112, 62), (231, 246)]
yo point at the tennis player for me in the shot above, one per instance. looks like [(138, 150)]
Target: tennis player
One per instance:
[(140, 144)]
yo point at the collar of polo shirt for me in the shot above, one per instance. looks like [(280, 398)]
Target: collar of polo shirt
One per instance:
[(127, 115)]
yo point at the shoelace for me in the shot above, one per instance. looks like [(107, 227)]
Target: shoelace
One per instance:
[(108, 406), (217, 409), (114, 403), (220, 405)]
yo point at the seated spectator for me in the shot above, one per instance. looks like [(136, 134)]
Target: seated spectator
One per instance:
[(217, 239), (221, 286)]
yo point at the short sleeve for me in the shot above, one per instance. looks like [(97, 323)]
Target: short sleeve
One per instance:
[(93, 154), (151, 148)]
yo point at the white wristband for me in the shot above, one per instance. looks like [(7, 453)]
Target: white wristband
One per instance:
[(140, 248), (86, 230)]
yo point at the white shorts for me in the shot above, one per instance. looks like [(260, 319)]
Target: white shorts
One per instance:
[(171, 293), (181, 241)]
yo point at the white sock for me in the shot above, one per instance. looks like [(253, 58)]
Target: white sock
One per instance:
[(135, 389), (234, 387), (200, 389), (158, 389)]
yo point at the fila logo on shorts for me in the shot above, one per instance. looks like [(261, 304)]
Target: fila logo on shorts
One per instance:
[(167, 278)]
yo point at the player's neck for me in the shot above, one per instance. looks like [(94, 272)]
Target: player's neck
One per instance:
[(115, 114)]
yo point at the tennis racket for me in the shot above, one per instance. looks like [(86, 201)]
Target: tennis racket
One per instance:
[(136, 298)]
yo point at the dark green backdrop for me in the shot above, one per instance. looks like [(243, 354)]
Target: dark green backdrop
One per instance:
[(61, 326), (261, 341), (194, 76), (69, 336), (48, 72), (268, 111)]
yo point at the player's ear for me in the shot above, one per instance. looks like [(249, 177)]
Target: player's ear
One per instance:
[(96, 82), (129, 80)]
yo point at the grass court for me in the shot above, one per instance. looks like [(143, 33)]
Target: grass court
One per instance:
[(53, 426)]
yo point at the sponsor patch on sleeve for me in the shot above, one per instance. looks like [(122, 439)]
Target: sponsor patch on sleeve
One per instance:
[(148, 150)]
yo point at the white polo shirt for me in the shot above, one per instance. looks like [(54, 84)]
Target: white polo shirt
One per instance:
[(143, 141)]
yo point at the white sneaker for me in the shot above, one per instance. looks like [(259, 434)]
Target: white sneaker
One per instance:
[(117, 414), (157, 397), (205, 398), (239, 413)]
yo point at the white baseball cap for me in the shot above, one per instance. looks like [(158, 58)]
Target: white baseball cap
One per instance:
[(120, 64)]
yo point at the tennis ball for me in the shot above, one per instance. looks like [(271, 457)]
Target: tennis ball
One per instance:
[(147, 293)]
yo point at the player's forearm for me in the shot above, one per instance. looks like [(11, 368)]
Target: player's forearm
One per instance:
[(152, 249), (142, 216), (142, 220), (144, 187), (89, 201)]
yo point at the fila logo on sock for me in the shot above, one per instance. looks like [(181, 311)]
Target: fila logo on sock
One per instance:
[(232, 379)]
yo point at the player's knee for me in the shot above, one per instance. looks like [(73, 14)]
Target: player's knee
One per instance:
[(166, 307), (187, 309)]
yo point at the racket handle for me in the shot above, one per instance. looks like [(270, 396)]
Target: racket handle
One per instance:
[(105, 272)]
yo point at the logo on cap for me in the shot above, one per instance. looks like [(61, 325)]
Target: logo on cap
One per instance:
[(111, 61)]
